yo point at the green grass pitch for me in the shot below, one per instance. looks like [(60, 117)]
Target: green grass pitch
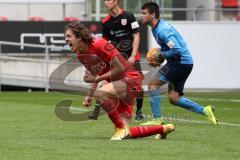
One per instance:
[(30, 130)]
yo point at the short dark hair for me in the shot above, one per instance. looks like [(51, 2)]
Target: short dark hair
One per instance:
[(152, 7), (80, 31)]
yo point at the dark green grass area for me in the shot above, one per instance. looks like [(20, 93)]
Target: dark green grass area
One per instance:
[(30, 130)]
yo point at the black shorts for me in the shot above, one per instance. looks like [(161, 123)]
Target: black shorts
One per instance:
[(176, 75)]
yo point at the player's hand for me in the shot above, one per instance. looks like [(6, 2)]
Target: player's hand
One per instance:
[(131, 59), (87, 101), (154, 65), (89, 78), (155, 57)]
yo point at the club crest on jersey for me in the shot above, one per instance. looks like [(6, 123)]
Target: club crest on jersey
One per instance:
[(124, 22)]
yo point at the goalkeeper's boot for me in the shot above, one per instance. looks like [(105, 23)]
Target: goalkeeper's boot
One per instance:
[(154, 122), (120, 134), (168, 128), (95, 113), (208, 111)]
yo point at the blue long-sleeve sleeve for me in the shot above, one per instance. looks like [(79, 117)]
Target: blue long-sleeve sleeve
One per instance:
[(171, 50), (171, 42)]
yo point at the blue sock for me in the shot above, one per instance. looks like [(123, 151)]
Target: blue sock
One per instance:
[(154, 99), (188, 104)]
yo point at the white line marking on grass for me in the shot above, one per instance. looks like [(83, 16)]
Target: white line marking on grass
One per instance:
[(213, 99), (204, 122), (171, 119), (218, 99), (229, 124)]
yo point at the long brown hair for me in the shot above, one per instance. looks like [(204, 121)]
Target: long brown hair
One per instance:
[(80, 31)]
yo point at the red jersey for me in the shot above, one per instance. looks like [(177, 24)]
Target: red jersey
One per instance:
[(98, 59)]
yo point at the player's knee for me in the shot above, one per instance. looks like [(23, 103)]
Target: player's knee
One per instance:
[(152, 86), (100, 95), (97, 96), (173, 98)]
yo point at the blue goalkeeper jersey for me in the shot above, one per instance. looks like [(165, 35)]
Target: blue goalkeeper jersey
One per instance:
[(172, 44)]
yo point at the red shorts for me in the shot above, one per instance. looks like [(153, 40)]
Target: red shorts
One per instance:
[(125, 110), (133, 80)]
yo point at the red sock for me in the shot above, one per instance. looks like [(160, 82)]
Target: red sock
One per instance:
[(115, 118), (145, 131), (109, 105)]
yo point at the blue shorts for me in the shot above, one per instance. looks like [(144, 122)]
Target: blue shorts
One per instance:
[(176, 75)]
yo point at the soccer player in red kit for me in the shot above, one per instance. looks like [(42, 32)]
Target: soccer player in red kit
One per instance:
[(103, 62), (122, 29)]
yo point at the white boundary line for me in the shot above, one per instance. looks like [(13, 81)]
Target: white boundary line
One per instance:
[(217, 99), (229, 124), (213, 99), (202, 122), (173, 119)]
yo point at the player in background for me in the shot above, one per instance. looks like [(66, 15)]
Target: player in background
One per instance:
[(176, 71), (104, 62), (122, 30)]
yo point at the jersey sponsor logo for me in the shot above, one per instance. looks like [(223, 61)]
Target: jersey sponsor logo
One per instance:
[(170, 44), (134, 25), (124, 22), (111, 32), (94, 64)]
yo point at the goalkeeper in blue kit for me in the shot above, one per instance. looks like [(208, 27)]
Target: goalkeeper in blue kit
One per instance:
[(177, 69)]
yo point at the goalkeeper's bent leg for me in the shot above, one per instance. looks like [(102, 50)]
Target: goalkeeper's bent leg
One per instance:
[(188, 104)]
